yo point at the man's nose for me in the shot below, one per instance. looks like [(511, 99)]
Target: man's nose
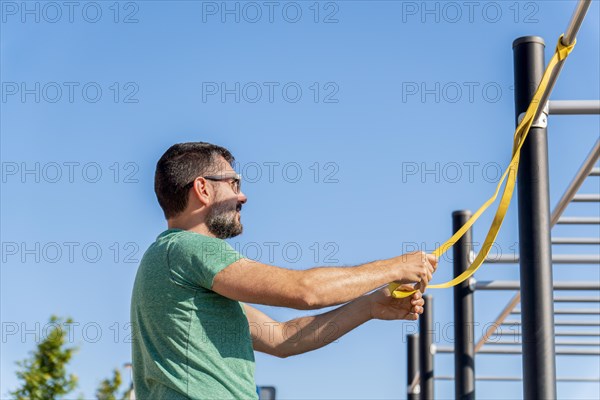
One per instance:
[(242, 197)]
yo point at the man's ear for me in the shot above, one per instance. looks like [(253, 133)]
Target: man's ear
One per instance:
[(202, 191)]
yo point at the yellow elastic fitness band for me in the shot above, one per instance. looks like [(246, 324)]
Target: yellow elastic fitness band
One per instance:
[(521, 133)]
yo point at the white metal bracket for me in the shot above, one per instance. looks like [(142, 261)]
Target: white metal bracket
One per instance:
[(542, 121)]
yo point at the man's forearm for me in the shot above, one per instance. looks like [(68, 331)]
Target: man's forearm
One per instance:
[(329, 286), (309, 333)]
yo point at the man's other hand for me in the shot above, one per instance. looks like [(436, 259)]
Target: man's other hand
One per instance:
[(386, 307)]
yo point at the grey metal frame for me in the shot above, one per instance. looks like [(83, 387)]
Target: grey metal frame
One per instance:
[(535, 247), (535, 258)]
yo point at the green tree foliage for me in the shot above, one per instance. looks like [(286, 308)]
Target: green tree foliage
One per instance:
[(43, 376), (109, 387)]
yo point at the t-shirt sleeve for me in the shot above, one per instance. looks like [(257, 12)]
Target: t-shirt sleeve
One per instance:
[(195, 260)]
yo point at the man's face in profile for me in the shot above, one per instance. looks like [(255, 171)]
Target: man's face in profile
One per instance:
[(224, 218)]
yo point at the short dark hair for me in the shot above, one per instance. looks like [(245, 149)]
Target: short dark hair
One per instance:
[(180, 165)]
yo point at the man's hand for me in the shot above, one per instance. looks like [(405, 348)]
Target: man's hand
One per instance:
[(384, 306), (417, 267)]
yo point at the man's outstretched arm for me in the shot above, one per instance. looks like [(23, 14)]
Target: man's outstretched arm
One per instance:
[(253, 282), (300, 335)]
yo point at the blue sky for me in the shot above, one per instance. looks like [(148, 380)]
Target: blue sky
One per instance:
[(359, 127)]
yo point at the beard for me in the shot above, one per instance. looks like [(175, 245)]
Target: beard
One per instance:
[(222, 221)]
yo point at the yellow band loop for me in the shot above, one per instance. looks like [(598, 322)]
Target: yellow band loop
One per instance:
[(562, 50), (510, 175)]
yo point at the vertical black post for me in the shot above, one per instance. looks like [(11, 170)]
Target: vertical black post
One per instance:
[(425, 347), (539, 370), (464, 347), (412, 369)]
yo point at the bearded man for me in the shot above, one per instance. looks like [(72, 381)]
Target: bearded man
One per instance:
[(194, 332)]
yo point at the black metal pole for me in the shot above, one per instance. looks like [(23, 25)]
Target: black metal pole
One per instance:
[(539, 369), (425, 347), (464, 346), (412, 367)]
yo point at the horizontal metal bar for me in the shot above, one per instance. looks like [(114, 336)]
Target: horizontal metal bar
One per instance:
[(576, 333), (557, 343), (574, 107), (576, 259), (576, 240), (579, 221), (582, 379), (502, 259), (575, 311), (577, 299), (518, 379), (517, 350), (556, 259), (576, 343), (586, 198), (560, 323), (580, 333), (482, 378), (567, 352), (515, 285), (595, 172)]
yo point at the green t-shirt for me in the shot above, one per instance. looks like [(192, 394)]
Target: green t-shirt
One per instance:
[(188, 341)]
